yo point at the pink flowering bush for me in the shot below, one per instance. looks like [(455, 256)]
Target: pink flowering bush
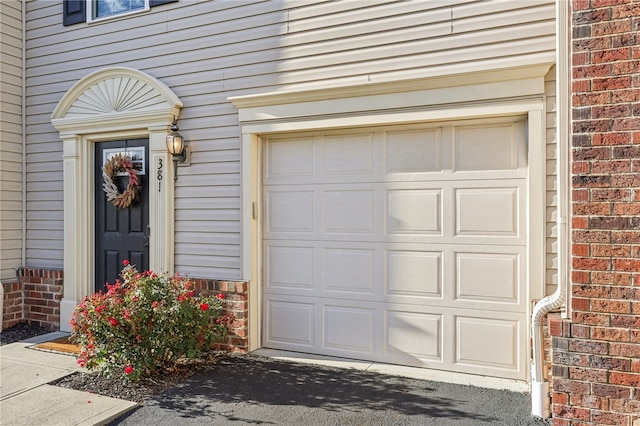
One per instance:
[(144, 322)]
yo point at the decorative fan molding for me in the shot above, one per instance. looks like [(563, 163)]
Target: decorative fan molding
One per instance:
[(115, 96)]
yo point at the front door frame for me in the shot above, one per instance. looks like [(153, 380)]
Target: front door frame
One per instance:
[(79, 131)]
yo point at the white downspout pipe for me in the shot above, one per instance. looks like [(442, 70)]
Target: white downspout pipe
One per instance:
[(540, 399)]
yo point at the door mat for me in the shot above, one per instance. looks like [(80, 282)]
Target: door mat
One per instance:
[(62, 344)]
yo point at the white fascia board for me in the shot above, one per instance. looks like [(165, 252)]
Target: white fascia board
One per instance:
[(464, 88)]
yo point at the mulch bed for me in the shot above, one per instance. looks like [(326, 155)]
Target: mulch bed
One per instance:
[(118, 387), (115, 387), (20, 332)]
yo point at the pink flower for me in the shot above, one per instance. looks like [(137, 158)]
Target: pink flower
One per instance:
[(204, 306), (128, 370), (220, 296), (113, 321), (113, 288), (125, 262), (154, 304)]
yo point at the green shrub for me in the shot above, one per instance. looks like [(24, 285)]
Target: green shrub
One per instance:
[(144, 322)]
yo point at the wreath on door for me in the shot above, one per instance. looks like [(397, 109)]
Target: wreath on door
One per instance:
[(116, 164)]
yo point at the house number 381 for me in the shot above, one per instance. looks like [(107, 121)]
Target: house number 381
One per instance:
[(160, 164)]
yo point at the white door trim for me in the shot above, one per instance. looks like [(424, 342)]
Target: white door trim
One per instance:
[(149, 115)]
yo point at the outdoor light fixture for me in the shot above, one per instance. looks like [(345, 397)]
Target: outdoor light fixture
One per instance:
[(175, 145)]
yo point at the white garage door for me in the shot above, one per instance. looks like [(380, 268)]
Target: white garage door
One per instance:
[(403, 245)]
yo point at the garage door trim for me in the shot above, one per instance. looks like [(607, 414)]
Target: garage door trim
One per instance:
[(530, 103)]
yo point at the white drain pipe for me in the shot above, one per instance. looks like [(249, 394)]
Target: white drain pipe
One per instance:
[(540, 399)]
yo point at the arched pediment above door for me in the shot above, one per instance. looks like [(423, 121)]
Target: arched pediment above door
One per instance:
[(115, 97)]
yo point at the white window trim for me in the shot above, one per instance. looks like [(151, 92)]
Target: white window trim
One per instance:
[(90, 12)]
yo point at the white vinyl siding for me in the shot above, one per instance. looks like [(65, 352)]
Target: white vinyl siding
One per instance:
[(551, 262), (208, 51), (10, 138)]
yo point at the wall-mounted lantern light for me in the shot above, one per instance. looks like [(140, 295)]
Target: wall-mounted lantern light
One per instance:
[(176, 147)]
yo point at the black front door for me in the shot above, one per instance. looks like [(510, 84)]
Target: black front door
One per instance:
[(121, 232)]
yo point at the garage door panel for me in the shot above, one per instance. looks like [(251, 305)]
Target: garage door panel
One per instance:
[(414, 335), (488, 277), (416, 155), (489, 345), (290, 211), (489, 147), (290, 324), (415, 151), (400, 212), (436, 337), (289, 158), (413, 211), (414, 273), (289, 267), (348, 328), (348, 270), (492, 278), (348, 211), (487, 211), (348, 155)]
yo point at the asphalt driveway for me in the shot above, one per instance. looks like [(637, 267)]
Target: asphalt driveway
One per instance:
[(247, 390)]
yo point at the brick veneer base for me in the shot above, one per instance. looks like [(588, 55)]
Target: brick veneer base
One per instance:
[(33, 298), (236, 295), (36, 294), (595, 382), (12, 304)]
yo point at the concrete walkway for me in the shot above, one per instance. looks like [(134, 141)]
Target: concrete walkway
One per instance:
[(27, 399)]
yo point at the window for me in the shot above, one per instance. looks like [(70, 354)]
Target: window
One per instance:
[(106, 8), (75, 11)]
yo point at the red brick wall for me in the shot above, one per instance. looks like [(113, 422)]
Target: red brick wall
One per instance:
[(12, 306), (42, 295), (236, 295), (34, 298), (596, 353)]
